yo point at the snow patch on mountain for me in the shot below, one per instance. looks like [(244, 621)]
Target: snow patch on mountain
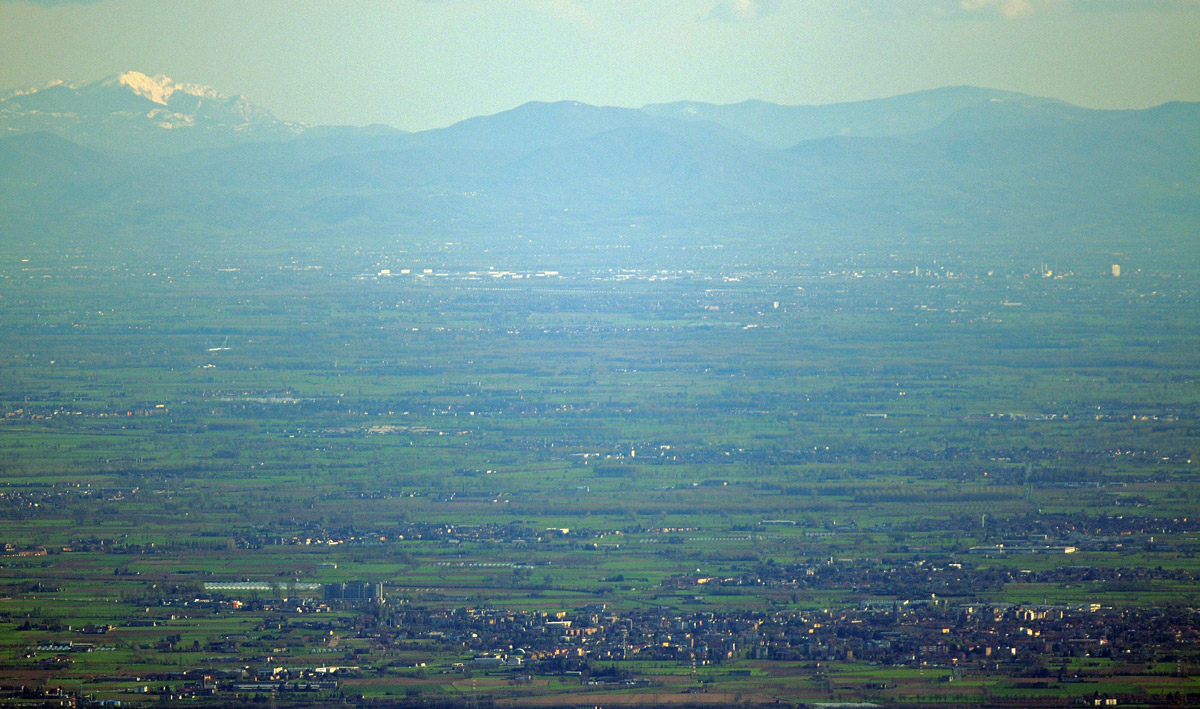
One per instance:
[(136, 112), (159, 88), (27, 90)]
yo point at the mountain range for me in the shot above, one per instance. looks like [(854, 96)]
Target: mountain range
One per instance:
[(138, 154), (139, 113)]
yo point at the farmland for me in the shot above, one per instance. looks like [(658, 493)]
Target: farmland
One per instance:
[(435, 472)]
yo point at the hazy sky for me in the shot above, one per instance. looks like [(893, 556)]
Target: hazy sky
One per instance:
[(424, 63)]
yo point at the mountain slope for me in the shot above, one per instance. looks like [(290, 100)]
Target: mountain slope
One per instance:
[(994, 167), (138, 113), (536, 125), (41, 159), (785, 126)]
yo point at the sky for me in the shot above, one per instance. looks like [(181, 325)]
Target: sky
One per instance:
[(418, 64)]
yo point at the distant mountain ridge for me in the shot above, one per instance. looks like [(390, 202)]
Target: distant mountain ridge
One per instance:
[(138, 113), (960, 163), (785, 126)]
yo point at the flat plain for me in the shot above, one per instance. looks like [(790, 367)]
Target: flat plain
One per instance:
[(724, 472)]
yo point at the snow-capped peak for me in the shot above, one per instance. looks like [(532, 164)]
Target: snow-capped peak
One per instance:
[(159, 88), (135, 112), (27, 90)]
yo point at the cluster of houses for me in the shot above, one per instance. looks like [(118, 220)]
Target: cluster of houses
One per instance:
[(1020, 640), (924, 577), (927, 632)]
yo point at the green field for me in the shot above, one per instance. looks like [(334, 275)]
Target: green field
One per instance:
[(816, 481)]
